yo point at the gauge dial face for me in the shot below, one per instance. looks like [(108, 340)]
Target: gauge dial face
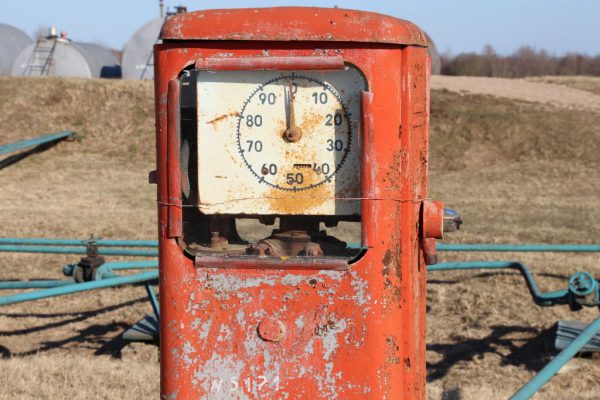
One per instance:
[(279, 142), (294, 132)]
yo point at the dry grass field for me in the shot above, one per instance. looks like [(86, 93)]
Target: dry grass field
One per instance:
[(519, 168)]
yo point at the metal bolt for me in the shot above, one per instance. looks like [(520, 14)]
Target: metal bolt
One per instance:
[(271, 329)]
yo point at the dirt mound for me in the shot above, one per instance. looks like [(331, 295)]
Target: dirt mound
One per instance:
[(520, 89)]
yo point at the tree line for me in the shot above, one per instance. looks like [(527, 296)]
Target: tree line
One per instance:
[(524, 62)]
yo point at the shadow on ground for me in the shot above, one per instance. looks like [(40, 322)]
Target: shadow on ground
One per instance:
[(105, 339), (527, 347), (10, 160)]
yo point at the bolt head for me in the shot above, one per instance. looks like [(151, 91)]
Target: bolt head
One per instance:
[(271, 329)]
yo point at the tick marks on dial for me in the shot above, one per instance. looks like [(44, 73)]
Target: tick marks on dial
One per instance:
[(253, 131)]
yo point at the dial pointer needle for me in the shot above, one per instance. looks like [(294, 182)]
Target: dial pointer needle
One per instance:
[(293, 133)]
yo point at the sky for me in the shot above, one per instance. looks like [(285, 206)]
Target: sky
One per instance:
[(456, 26)]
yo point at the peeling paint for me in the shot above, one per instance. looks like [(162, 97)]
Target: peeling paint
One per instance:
[(300, 322), (361, 290), (204, 330), (225, 334), (310, 347), (187, 350), (220, 377), (330, 337)]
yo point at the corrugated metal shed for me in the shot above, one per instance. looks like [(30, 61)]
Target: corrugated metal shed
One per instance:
[(54, 56), (138, 61), (12, 41)]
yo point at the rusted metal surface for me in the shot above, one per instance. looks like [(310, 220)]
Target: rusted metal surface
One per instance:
[(289, 243), (263, 63), (306, 327), (432, 227), (218, 242), (173, 159), (272, 263), (300, 243), (368, 175), (433, 219), (429, 251), (293, 24)]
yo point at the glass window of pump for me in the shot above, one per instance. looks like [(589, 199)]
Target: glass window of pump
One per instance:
[(275, 148)]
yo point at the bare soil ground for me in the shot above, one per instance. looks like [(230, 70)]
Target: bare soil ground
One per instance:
[(587, 83), (521, 167), (546, 91)]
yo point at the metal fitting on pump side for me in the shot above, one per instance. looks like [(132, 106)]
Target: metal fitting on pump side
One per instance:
[(435, 221), (432, 228)]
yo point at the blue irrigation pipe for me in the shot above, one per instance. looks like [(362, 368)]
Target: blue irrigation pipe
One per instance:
[(78, 242), (42, 284), (592, 248), (23, 144), (142, 277), (536, 383), (78, 250), (153, 300), (130, 264), (105, 270), (542, 299)]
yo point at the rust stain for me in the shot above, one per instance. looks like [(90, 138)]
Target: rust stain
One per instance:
[(393, 176), (386, 263), (224, 116), (298, 202), (310, 122), (392, 350), (387, 258), (323, 329)]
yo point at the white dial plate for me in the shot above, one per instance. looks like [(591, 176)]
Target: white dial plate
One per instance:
[(279, 142)]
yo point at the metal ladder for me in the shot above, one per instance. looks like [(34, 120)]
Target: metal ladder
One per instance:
[(41, 58)]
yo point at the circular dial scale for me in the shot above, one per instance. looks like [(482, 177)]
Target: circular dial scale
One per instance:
[(283, 128), (279, 142)]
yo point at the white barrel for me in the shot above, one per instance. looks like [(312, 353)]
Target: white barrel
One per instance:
[(138, 60), (69, 59), (12, 41)]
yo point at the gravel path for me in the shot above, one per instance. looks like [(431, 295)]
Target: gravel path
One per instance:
[(520, 89)]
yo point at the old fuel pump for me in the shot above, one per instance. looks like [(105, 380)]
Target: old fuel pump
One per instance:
[(294, 223)]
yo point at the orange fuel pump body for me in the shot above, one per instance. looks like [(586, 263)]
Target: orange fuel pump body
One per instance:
[(323, 327)]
